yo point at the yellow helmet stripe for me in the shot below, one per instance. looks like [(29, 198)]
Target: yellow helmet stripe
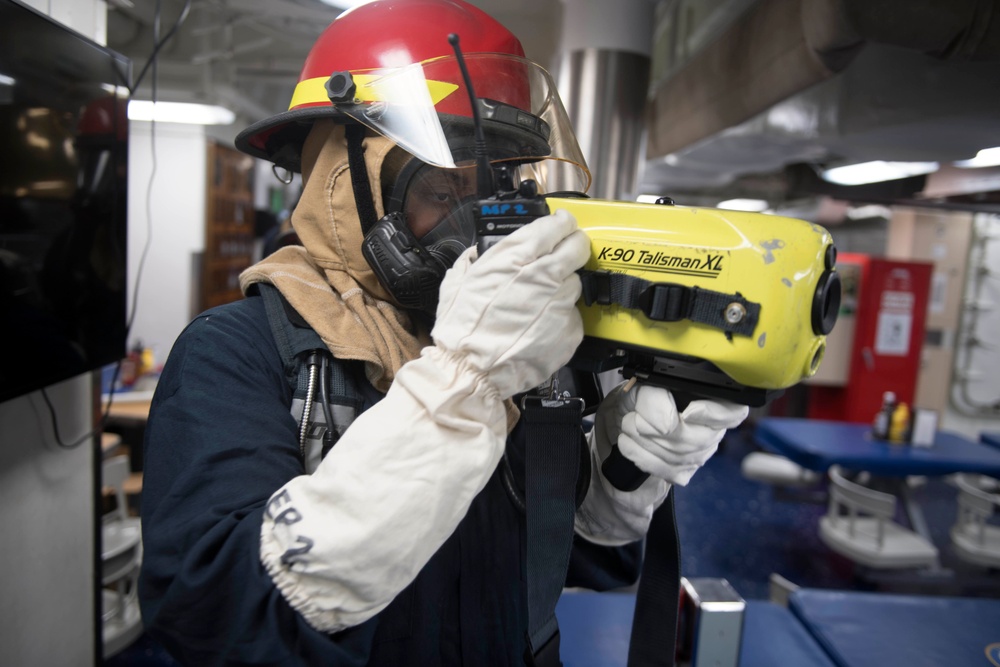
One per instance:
[(313, 90)]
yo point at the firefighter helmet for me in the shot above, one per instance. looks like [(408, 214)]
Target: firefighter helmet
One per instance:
[(389, 65)]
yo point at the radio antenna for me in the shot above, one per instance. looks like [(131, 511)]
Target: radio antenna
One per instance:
[(484, 174)]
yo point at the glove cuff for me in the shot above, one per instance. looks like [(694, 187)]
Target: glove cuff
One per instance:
[(443, 381)]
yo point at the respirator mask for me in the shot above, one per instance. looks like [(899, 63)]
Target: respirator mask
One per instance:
[(429, 222)]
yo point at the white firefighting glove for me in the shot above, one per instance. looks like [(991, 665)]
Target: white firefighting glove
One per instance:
[(648, 430), (341, 543), (512, 314)]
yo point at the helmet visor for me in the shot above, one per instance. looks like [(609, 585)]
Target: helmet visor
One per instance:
[(426, 109)]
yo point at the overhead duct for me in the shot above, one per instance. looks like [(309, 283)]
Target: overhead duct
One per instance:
[(781, 47), (603, 81)]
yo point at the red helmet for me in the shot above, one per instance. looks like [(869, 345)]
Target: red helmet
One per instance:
[(389, 65), (105, 118)]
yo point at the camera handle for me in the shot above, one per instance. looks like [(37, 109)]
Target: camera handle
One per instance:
[(619, 470)]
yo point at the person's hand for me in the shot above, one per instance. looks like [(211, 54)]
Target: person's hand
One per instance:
[(652, 434), (511, 313)]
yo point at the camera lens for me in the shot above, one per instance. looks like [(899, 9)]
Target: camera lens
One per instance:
[(826, 303)]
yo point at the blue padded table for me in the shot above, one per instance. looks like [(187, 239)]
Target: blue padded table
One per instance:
[(817, 444), (879, 629), (773, 636), (991, 439), (595, 629)]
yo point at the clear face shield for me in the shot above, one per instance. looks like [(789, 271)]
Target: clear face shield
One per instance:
[(426, 110)]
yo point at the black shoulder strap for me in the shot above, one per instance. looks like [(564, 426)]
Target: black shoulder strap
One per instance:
[(552, 461), (553, 432), (653, 642)]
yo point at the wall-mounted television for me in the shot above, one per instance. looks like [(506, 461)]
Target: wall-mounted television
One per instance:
[(63, 185)]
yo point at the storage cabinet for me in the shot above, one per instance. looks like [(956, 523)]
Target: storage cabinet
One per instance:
[(229, 224)]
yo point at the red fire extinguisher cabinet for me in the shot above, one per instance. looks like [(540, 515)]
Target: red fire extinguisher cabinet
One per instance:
[(888, 301)]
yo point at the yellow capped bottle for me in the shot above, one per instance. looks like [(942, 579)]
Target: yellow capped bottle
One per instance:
[(899, 424)]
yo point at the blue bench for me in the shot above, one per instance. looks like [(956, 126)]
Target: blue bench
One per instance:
[(820, 628), (595, 630), (868, 629)]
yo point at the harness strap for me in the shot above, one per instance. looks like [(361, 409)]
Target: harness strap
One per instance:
[(359, 177), (308, 365), (291, 340), (552, 461), (670, 302)]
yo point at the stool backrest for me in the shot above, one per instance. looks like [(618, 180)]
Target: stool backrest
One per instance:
[(858, 500), (114, 472)]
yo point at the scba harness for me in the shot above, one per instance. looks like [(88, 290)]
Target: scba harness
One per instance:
[(327, 397), (311, 371)]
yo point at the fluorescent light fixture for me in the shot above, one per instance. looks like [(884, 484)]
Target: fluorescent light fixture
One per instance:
[(755, 205), (988, 157), (180, 112), (877, 171), (868, 212), (344, 4), (7, 80)]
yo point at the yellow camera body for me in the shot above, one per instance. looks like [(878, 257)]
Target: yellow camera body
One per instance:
[(723, 303)]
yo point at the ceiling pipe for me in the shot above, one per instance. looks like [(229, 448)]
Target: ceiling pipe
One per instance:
[(603, 73), (206, 57), (779, 48)]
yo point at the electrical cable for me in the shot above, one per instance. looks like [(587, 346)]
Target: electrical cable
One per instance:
[(324, 394), (106, 412), (158, 43)]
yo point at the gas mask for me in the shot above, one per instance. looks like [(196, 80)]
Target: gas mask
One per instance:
[(433, 178), (428, 224)]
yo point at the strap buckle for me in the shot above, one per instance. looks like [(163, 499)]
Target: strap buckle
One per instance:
[(549, 395), (596, 287), (562, 401), (666, 302)]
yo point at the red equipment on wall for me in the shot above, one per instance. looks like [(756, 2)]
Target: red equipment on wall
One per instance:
[(887, 301)]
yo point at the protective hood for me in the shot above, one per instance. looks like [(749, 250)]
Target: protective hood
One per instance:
[(327, 279)]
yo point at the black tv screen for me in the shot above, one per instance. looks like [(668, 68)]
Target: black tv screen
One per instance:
[(63, 184)]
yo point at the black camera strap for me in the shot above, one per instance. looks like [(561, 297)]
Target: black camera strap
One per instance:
[(551, 468), (670, 302), (552, 462), (653, 642)]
